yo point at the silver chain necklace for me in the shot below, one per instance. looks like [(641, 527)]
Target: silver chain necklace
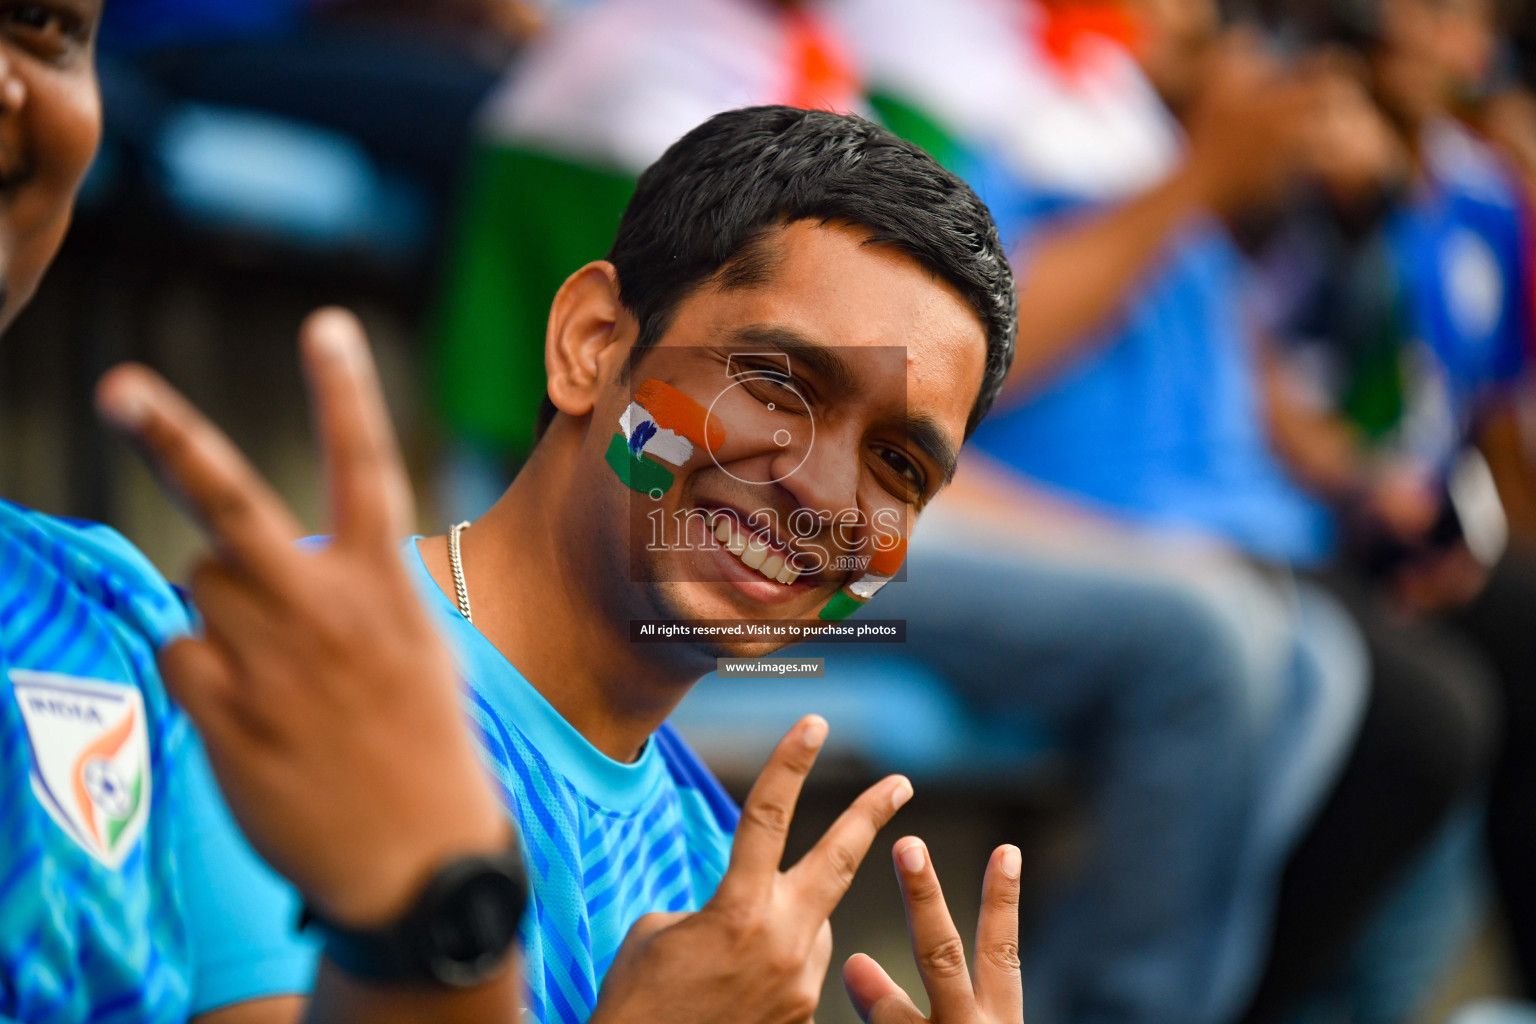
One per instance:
[(456, 563)]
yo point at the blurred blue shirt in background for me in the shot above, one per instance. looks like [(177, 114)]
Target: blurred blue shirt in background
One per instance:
[(1160, 418)]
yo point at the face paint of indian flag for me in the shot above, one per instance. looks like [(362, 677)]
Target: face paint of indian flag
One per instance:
[(661, 423), (642, 435), (882, 566)]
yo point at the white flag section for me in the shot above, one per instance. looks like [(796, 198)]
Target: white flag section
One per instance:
[(618, 82), (868, 585), (979, 68), (663, 444), (90, 758)]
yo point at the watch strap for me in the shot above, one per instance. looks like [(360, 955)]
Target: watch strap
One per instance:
[(457, 933)]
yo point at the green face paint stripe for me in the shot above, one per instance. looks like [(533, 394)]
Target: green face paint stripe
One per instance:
[(643, 474), (842, 605)]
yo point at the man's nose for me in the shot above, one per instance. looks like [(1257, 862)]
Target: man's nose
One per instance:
[(827, 481)]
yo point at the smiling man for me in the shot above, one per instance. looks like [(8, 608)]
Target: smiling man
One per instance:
[(800, 321)]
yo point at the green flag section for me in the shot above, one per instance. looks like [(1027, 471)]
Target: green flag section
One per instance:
[(527, 221), (642, 474), (1372, 319), (842, 605), (919, 127)]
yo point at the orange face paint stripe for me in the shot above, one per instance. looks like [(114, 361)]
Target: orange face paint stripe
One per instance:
[(680, 414), (887, 562)]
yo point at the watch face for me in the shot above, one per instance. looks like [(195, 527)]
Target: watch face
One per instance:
[(469, 932)]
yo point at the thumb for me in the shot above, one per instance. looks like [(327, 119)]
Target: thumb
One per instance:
[(867, 985)]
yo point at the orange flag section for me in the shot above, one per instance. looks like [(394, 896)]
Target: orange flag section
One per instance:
[(821, 75), (675, 411)]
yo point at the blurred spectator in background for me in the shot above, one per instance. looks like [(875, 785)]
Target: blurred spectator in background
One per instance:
[(1209, 708), (1137, 391), (557, 151), (1405, 302)]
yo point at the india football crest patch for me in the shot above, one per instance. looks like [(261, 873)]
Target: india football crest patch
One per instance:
[(90, 758)]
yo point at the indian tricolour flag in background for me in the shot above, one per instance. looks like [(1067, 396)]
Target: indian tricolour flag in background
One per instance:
[(559, 147), (1022, 99)]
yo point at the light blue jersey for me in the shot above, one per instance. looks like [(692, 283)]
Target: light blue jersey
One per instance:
[(127, 895), (605, 842)]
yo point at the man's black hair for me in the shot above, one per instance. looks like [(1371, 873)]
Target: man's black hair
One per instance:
[(699, 210)]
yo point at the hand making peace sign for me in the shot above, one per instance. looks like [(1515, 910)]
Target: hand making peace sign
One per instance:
[(758, 951), (328, 705)]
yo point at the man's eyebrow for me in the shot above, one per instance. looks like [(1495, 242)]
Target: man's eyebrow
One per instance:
[(825, 361), (828, 363), (926, 433)]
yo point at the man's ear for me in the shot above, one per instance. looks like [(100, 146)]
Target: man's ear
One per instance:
[(584, 322)]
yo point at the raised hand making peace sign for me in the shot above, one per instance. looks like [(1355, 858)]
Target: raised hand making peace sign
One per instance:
[(327, 703), (757, 952)]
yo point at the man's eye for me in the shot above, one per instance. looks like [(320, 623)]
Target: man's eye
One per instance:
[(771, 388), (46, 24), (911, 475)]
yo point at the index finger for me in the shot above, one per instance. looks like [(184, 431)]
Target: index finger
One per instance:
[(765, 816), (370, 497), (246, 521)]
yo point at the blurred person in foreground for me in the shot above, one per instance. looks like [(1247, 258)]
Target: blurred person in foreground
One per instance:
[(1405, 362), (126, 891), (333, 726), (1137, 397)]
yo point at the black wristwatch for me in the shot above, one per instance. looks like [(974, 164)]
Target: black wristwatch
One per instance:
[(458, 933)]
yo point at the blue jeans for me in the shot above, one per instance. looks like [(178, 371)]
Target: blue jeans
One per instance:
[(1411, 942), (1208, 714)]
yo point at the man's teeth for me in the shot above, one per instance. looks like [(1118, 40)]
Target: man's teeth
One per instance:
[(734, 542), (754, 552)]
